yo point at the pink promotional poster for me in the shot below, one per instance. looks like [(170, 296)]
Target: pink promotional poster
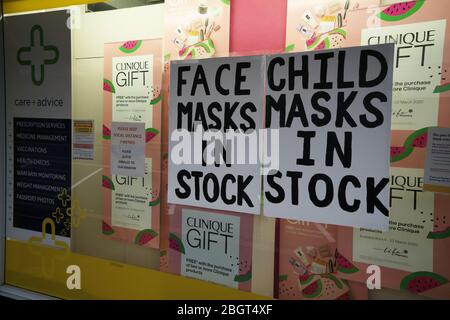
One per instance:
[(192, 30), (132, 141)]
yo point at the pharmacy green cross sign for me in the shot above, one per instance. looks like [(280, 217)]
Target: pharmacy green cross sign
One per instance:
[(25, 53)]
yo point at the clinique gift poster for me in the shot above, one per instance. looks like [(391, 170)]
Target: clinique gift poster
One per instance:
[(193, 30), (132, 140), (215, 247), (406, 246), (413, 254)]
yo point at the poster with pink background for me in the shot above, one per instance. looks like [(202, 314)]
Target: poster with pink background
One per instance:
[(307, 264), (132, 94), (413, 255)]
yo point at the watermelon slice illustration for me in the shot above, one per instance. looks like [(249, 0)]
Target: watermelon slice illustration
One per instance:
[(336, 38), (306, 279), (108, 86), (311, 43), (205, 49), (207, 46), (333, 278), (400, 153), (318, 43), (107, 183), (245, 271), (422, 281), (343, 265), (443, 234), (244, 277), (150, 133), (186, 53), (400, 11), (396, 151), (106, 133), (145, 236), (283, 277), (330, 40), (154, 200), (157, 96), (442, 88), (130, 46), (325, 44), (200, 50), (175, 243), (332, 288), (289, 48), (314, 290), (107, 229), (418, 139)]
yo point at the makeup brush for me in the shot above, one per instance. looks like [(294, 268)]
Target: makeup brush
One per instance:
[(339, 20), (346, 6), (211, 27)]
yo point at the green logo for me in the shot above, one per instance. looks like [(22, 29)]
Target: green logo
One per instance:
[(24, 55)]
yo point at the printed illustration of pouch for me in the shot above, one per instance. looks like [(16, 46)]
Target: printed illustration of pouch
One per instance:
[(199, 50)]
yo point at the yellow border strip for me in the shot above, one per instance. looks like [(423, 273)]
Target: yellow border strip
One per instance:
[(43, 269), (15, 6)]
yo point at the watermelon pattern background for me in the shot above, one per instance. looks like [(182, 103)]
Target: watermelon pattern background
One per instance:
[(149, 236), (408, 147)]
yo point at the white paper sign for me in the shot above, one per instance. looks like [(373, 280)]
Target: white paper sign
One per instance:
[(215, 105), (332, 110), (437, 164), (128, 148), (129, 202), (83, 139)]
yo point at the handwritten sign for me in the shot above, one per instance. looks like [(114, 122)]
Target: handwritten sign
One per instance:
[(332, 110)]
